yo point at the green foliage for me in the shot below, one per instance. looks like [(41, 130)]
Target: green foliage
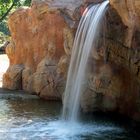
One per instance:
[(5, 8), (3, 38), (7, 5), (27, 2), (4, 32), (4, 28)]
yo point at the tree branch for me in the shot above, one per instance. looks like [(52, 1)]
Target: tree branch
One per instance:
[(3, 17)]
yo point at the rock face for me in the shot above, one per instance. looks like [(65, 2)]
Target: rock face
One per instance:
[(114, 83), (13, 77), (42, 39), (129, 12), (40, 50)]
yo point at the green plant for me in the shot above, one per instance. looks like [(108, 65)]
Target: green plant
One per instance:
[(7, 5), (4, 28)]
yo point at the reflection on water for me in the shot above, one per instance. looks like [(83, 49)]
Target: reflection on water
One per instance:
[(29, 118)]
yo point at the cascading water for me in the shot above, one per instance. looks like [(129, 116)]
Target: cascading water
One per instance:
[(85, 39)]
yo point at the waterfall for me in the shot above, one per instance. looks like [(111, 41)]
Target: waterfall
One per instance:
[(85, 38)]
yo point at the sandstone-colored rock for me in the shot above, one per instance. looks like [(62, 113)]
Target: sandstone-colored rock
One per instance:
[(130, 14), (48, 80), (103, 90), (52, 93), (13, 77), (129, 11), (42, 77), (62, 66), (101, 84), (26, 73), (40, 37), (68, 41), (126, 10), (40, 51), (10, 51), (69, 9)]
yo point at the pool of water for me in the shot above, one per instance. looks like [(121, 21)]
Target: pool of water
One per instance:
[(24, 117)]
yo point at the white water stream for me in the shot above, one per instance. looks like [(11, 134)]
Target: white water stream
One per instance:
[(86, 36)]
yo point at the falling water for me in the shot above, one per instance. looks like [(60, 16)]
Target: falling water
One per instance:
[(85, 39)]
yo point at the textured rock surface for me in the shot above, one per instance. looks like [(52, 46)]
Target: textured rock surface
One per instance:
[(129, 11), (41, 42), (13, 77), (41, 47), (114, 83)]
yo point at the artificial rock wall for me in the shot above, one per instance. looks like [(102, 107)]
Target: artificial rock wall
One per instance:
[(40, 50)]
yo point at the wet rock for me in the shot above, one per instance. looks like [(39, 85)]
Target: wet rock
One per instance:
[(90, 101)]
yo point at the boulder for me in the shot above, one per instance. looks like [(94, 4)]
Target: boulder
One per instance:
[(12, 79)]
